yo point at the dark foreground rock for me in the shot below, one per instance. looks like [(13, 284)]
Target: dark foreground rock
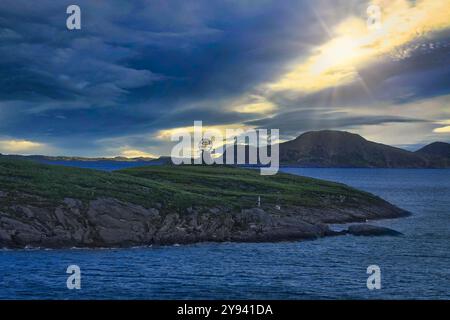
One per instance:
[(370, 230), (108, 222)]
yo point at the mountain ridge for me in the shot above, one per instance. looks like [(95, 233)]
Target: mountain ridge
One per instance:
[(323, 148), (341, 149), (329, 148), (436, 149)]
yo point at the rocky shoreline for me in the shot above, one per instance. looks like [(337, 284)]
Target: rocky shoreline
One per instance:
[(108, 222), (60, 207)]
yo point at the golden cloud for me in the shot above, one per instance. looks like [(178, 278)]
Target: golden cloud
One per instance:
[(445, 128), (354, 44), (9, 146), (134, 153), (253, 104)]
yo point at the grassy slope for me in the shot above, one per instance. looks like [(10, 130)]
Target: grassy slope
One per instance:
[(172, 186)]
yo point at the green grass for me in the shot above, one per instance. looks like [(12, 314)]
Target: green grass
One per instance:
[(172, 186)]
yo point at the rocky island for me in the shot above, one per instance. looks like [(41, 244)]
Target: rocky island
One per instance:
[(61, 207)]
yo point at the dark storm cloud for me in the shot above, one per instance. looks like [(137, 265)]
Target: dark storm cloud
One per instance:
[(140, 66), (295, 122), (133, 64)]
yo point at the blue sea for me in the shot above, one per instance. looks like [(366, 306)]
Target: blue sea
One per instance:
[(413, 266), (104, 165)]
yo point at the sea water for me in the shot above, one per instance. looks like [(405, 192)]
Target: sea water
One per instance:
[(413, 266)]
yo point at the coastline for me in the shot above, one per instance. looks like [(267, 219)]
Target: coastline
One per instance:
[(199, 226), (67, 207)]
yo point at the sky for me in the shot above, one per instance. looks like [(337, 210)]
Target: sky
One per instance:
[(140, 70)]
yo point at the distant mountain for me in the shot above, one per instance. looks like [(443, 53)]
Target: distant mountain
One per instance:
[(69, 158), (436, 150), (343, 149), (327, 148)]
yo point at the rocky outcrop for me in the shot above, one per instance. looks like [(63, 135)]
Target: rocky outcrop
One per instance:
[(370, 230), (108, 222)]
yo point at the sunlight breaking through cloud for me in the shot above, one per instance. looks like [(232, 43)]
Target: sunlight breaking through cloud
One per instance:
[(354, 44)]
